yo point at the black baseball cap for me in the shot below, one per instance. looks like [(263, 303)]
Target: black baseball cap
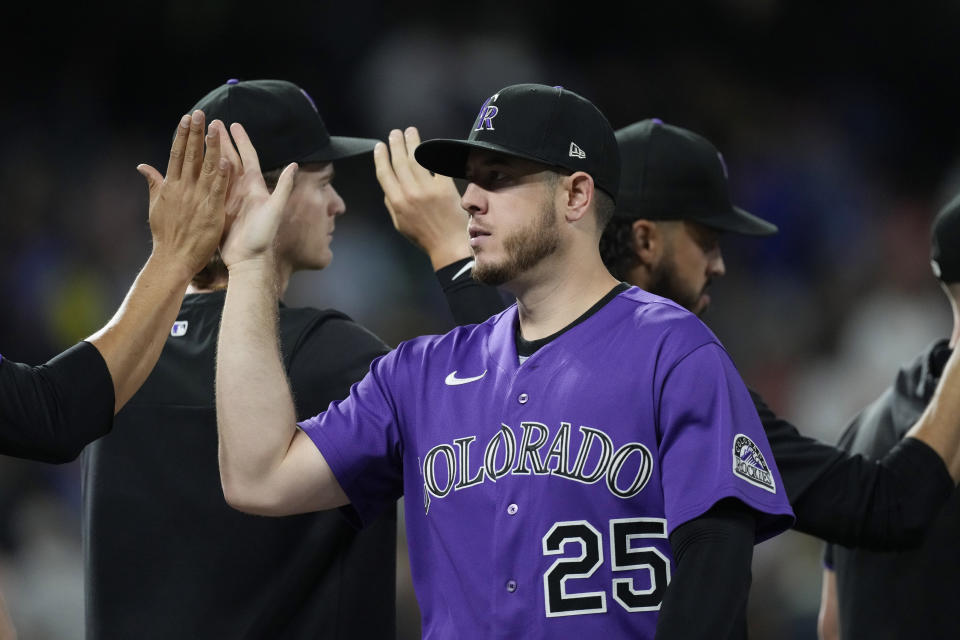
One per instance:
[(551, 125), (945, 243), (671, 173), (282, 121)]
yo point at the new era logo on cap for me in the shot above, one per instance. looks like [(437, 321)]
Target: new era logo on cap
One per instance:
[(539, 123)]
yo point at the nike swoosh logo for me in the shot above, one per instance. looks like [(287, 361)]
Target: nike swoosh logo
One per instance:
[(453, 380), (462, 271)]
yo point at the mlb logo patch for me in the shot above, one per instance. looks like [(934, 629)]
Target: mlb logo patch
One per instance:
[(750, 465), (179, 328)]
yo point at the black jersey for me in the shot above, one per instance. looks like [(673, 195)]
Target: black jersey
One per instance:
[(50, 412), (836, 496), (166, 557), (912, 593)]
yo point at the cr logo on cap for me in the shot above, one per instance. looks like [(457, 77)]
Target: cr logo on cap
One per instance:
[(486, 115)]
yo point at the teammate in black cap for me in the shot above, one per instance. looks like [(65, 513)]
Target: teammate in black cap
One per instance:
[(672, 207), (165, 556), (911, 593)]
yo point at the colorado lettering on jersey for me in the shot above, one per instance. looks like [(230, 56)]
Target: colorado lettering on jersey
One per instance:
[(461, 465)]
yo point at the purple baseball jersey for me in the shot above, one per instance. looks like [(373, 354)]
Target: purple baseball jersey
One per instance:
[(540, 497)]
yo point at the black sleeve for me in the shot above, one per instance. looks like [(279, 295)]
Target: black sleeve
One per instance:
[(346, 350), (470, 302), (51, 412), (851, 500), (707, 597)]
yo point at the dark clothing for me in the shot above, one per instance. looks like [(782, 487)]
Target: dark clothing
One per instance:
[(836, 496), (719, 544), (166, 557), (906, 594), (50, 412)]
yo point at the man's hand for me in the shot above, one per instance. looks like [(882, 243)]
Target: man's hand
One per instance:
[(187, 205), (254, 214), (425, 208)]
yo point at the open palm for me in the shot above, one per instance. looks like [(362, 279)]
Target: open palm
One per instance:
[(253, 213)]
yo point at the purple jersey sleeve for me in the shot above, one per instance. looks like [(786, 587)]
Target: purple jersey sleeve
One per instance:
[(359, 438), (708, 422)]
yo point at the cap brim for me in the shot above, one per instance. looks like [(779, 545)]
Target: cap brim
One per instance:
[(742, 222), (449, 157), (339, 148)]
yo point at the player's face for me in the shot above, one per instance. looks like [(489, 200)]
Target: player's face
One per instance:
[(307, 230), (690, 260), (513, 219)]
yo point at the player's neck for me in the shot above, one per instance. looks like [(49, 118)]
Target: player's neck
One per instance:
[(557, 294)]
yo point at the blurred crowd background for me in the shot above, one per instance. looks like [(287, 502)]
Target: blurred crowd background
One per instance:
[(838, 123)]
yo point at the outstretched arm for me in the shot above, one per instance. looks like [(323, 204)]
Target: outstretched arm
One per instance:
[(267, 465), (186, 221), (425, 209), (50, 412), (874, 504)]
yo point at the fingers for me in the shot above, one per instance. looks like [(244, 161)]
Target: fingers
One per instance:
[(284, 184), (211, 158), (412, 138), (227, 150), (154, 179), (385, 175), (400, 157), (193, 153), (221, 180), (248, 155), (175, 163)]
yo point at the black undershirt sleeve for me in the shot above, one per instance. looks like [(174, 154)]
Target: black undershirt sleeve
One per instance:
[(712, 558), (850, 500), (470, 302), (51, 412)]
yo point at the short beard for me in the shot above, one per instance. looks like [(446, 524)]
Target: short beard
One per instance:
[(525, 249), (664, 283)]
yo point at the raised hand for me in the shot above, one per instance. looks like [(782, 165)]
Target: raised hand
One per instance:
[(187, 205), (425, 208), (254, 214)]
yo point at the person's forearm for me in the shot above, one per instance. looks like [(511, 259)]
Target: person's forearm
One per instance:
[(133, 339), (256, 419), (886, 504), (939, 425)]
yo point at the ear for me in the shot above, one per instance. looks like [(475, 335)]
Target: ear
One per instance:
[(578, 195), (648, 239)]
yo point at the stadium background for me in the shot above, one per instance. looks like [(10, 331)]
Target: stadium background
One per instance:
[(837, 123)]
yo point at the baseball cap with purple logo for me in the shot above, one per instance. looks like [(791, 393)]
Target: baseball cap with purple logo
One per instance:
[(282, 121), (550, 125)]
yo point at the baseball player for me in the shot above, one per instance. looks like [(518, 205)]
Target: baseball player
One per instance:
[(586, 463), (165, 556), (50, 412), (664, 237), (909, 593)]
